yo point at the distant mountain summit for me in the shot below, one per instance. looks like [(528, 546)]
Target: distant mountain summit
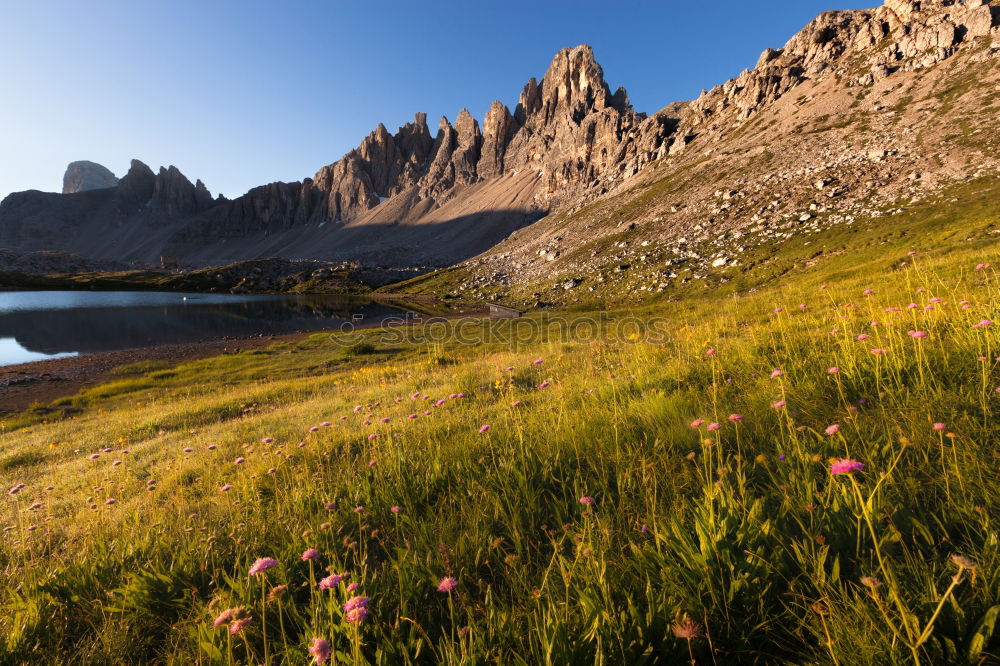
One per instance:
[(83, 176), (416, 199)]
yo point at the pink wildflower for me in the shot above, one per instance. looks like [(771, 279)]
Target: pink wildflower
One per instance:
[(356, 615), (224, 617), (846, 466), (331, 582), (238, 625), (447, 584), (356, 602), (319, 650), (262, 565)]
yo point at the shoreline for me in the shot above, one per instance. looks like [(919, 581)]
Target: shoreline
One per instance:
[(46, 380)]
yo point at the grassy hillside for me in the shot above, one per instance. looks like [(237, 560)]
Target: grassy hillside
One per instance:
[(961, 218), (654, 485)]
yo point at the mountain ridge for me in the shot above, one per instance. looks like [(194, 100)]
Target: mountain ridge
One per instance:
[(568, 142)]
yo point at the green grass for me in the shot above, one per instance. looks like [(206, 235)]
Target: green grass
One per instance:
[(140, 368), (741, 531), (357, 349)]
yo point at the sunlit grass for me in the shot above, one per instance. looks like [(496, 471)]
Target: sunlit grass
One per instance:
[(728, 544)]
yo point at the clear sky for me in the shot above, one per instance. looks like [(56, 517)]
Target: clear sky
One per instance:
[(242, 93)]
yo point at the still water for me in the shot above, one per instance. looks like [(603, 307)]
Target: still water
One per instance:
[(36, 325)]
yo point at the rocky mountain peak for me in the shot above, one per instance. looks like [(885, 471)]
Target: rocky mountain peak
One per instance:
[(573, 85), (569, 128), (84, 175), (529, 102), (904, 9), (872, 45), (415, 139), (498, 128), (174, 195), (136, 186)]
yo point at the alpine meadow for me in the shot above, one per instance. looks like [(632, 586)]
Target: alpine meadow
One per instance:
[(716, 385)]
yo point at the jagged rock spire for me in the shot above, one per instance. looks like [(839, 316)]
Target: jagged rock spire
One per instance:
[(568, 127)]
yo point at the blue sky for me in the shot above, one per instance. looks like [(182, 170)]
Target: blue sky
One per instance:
[(244, 93)]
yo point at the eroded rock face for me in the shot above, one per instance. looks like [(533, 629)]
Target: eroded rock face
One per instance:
[(383, 165), (568, 140), (83, 176), (574, 132), (902, 35), (269, 208), (499, 128), (569, 128), (174, 195)]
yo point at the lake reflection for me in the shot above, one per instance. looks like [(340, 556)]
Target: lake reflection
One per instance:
[(44, 324)]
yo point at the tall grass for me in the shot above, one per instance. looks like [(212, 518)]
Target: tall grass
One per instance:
[(631, 501)]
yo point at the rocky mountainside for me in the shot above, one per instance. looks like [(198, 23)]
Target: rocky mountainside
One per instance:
[(405, 199), (856, 110), (861, 115)]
